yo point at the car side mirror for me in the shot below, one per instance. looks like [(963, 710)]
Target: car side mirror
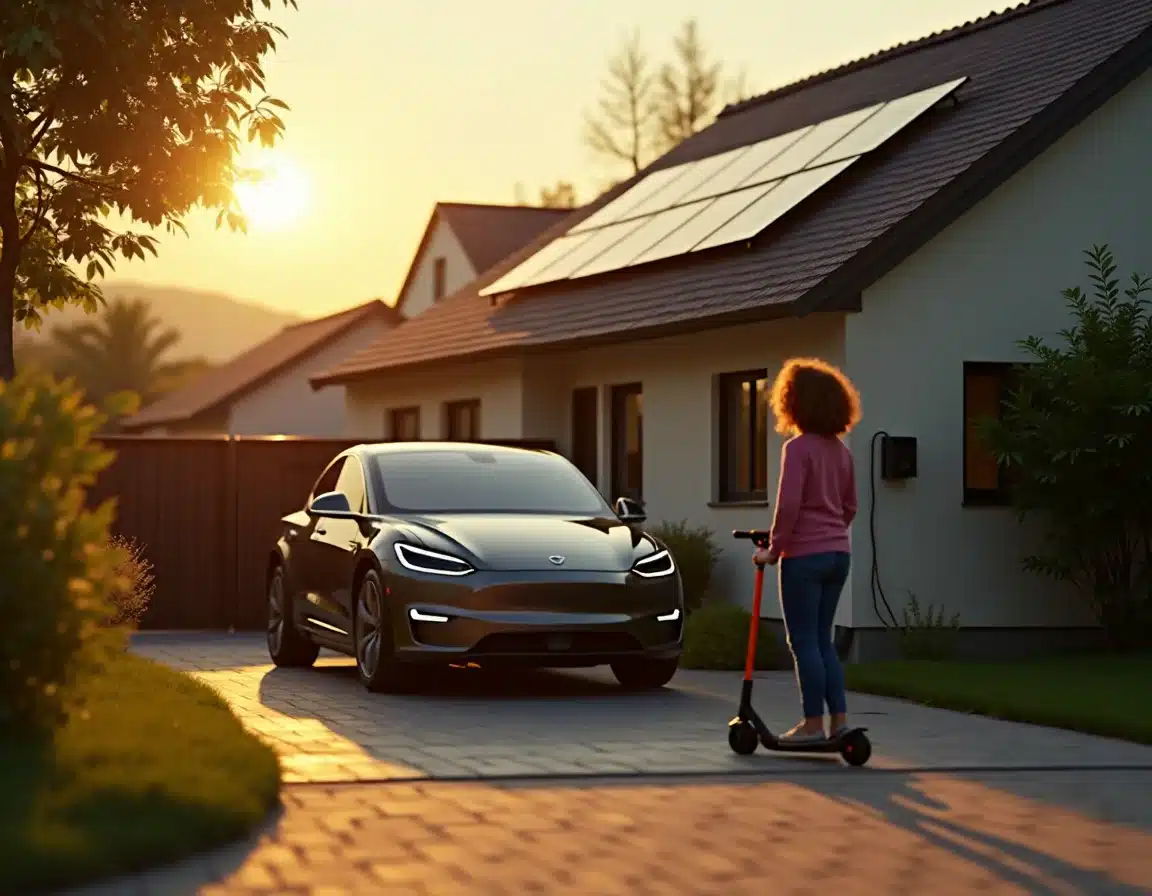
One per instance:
[(330, 504), (630, 510)]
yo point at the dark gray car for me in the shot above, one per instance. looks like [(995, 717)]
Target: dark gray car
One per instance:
[(452, 553)]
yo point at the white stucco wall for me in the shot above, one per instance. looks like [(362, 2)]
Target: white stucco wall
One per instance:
[(458, 271), (993, 277), (287, 404), (496, 384)]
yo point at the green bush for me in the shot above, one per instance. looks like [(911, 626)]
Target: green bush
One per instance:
[(925, 635), (58, 567), (695, 552), (716, 637)]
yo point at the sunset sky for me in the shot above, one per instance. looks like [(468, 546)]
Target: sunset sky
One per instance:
[(396, 106)]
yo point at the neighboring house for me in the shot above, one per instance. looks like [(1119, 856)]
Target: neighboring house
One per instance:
[(642, 333), (265, 391), (461, 242)]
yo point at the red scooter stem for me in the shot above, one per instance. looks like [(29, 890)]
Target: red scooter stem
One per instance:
[(754, 628)]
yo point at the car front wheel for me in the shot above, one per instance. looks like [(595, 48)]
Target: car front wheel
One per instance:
[(287, 645), (375, 643), (645, 673)]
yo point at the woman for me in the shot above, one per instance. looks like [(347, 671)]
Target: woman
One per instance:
[(815, 503)]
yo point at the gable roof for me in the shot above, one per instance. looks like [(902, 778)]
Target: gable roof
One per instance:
[(1034, 73), (256, 366), (487, 233)]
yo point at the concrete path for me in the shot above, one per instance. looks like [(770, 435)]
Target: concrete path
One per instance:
[(563, 783)]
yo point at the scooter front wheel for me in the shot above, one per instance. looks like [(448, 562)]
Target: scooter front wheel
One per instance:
[(742, 738), (856, 749)]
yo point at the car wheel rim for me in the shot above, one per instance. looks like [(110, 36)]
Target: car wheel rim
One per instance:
[(275, 614), (368, 618)]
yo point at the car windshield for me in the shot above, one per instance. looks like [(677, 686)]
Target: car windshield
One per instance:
[(474, 480)]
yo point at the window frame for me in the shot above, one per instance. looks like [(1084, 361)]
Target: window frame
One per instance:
[(451, 408), (619, 395), (439, 278), (339, 460), (584, 393), (751, 495), (395, 415), (1008, 373)]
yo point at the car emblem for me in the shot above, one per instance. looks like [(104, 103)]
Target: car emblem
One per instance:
[(556, 560)]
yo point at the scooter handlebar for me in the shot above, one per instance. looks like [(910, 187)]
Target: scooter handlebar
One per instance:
[(759, 537)]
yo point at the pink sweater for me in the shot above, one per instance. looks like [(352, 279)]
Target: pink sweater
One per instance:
[(816, 499)]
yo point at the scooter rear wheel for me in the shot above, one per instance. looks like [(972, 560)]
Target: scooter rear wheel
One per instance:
[(742, 738), (856, 749)]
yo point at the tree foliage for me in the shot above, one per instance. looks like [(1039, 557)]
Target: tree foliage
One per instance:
[(621, 128), (1076, 435), (133, 108), (561, 194)]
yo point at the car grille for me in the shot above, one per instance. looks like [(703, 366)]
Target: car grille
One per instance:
[(556, 642)]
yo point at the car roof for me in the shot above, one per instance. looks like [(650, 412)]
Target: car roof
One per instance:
[(378, 449)]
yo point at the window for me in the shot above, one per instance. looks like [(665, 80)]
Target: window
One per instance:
[(351, 484), (586, 431), (328, 479), (482, 479), (462, 420), (439, 278), (404, 424), (743, 437), (628, 441), (986, 386)]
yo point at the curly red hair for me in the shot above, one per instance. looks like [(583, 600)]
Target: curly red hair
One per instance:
[(812, 396)]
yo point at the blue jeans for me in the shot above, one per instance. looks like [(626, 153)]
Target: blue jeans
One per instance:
[(810, 589)]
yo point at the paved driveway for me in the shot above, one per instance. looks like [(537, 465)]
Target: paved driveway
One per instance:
[(952, 805)]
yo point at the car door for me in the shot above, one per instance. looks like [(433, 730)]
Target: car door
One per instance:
[(307, 555), (335, 542)]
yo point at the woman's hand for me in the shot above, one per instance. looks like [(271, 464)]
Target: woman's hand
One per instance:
[(765, 557)]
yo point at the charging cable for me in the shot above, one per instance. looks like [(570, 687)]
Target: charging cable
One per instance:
[(875, 586)]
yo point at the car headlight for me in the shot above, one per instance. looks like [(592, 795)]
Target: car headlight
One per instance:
[(433, 562), (655, 565)]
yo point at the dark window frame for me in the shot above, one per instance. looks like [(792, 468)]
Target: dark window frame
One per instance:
[(439, 278), (451, 408), (1008, 373), (618, 443), (327, 470), (396, 415), (757, 459), (583, 393)]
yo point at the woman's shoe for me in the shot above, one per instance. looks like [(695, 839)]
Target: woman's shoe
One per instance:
[(799, 736)]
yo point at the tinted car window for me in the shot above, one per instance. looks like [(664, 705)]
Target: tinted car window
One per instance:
[(327, 481), (477, 481), (351, 483)]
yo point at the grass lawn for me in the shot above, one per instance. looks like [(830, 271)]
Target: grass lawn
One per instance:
[(1099, 694), (159, 769)]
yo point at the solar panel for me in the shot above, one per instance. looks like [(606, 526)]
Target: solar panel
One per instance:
[(654, 229), (720, 199), (800, 154), (793, 190), (718, 213), (736, 174), (618, 207), (695, 178), (591, 244), (885, 124)]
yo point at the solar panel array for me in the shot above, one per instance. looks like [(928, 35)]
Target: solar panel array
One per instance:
[(722, 199)]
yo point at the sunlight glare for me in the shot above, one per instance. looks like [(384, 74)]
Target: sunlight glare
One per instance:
[(280, 198)]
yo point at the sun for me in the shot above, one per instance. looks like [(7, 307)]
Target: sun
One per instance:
[(280, 196)]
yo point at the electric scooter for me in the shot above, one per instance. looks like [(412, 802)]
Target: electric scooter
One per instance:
[(747, 730)]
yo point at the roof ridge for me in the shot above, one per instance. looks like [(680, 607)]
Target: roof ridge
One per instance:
[(990, 20), (501, 205), (355, 309)]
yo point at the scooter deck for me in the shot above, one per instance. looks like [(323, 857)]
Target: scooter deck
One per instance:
[(830, 745)]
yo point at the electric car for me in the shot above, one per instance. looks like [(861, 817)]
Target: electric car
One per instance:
[(413, 554)]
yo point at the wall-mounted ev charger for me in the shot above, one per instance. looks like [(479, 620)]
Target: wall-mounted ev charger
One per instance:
[(897, 457)]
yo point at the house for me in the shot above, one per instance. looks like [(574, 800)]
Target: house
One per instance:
[(463, 240), (908, 216), (265, 390)]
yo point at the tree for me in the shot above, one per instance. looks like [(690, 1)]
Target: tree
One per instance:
[(689, 91), (621, 128), (560, 195), (109, 106), (1075, 437), (124, 349)]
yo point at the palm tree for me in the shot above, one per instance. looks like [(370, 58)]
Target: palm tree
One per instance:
[(123, 350)]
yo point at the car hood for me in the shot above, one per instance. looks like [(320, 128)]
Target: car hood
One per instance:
[(525, 543)]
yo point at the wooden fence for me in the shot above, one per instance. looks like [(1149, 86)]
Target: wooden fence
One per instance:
[(206, 512)]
